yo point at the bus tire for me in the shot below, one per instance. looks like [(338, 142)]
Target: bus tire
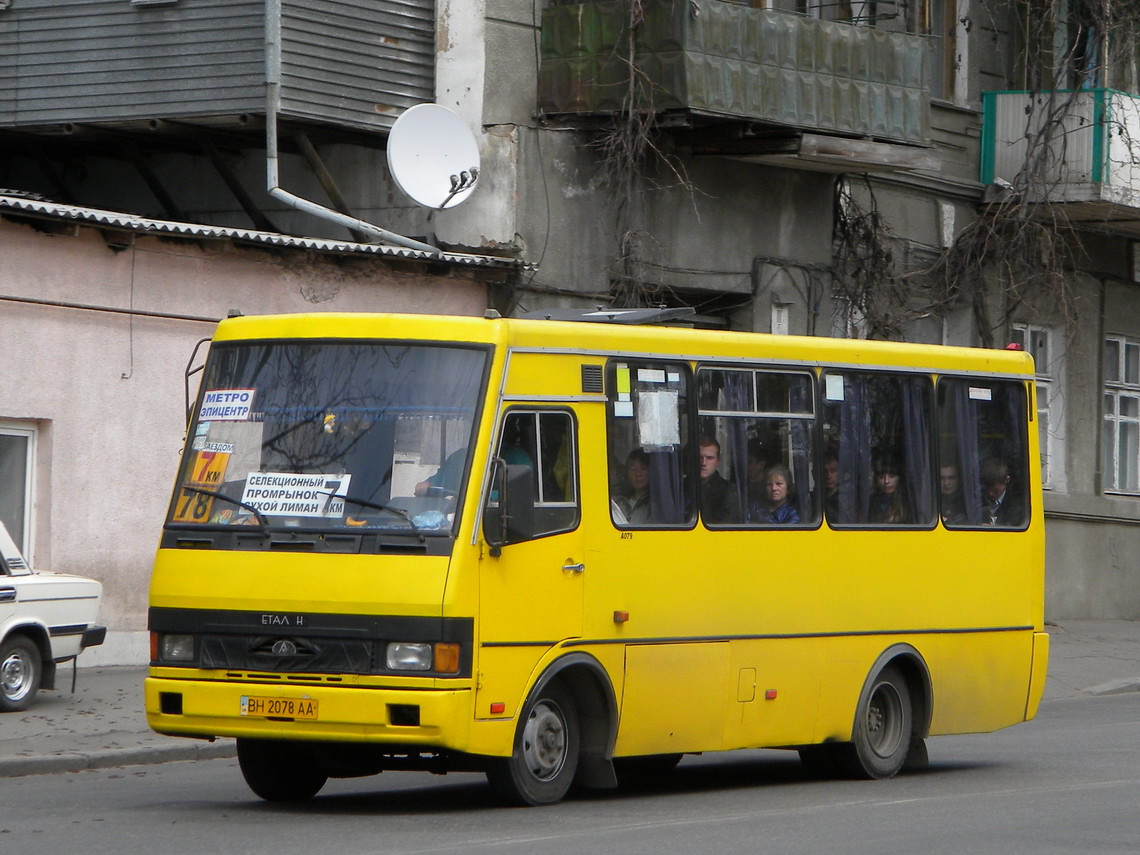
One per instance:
[(21, 670), (883, 728), (280, 771), (544, 759)]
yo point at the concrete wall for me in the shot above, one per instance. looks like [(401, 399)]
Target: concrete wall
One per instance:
[(106, 389), (1092, 569)]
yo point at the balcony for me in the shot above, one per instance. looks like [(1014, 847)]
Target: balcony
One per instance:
[(162, 65), (752, 83), (1089, 167)]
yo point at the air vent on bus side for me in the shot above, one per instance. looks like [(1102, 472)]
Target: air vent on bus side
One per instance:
[(592, 382)]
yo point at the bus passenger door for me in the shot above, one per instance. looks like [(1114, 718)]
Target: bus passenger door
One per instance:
[(530, 595)]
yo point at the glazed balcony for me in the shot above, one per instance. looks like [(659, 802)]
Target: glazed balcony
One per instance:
[(1089, 162), (779, 75)]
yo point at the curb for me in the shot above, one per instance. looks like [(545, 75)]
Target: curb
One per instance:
[(1116, 687), (81, 761)]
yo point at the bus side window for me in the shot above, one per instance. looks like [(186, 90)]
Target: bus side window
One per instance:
[(647, 437), (761, 422), (983, 468), (877, 429), (545, 441)]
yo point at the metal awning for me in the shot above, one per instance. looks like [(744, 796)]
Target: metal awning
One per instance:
[(33, 207)]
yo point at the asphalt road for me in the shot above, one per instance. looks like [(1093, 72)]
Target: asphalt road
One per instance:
[(1065, 783)]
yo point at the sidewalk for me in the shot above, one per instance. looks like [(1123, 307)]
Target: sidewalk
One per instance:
[(103, 724)]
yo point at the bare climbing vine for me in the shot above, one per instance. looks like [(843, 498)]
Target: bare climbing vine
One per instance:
[(633, 158), (1017, 255), (868, 274)]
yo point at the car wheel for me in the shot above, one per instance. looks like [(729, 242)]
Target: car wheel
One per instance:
[(20, 671)]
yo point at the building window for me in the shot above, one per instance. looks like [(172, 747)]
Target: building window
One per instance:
[(17, 456), (1121, 414), (1037, 341)]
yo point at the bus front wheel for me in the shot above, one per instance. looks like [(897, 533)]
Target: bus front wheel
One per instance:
[(542, 764), (883, 727), (280, 771)]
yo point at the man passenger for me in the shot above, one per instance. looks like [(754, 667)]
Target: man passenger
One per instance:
[(999, 507), (719, 500)]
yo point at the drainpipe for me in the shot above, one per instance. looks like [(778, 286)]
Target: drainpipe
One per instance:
[(272, 107)]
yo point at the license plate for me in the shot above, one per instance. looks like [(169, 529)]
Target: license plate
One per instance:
[(256, 705)]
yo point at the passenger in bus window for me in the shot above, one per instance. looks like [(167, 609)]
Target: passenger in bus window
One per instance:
[(999, 507), (888, 498), (831, 485), (781, 496), (953, 506), (757, 495), (634, 503), (719, 500)]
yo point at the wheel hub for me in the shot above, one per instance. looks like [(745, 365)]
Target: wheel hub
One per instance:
[(884, 720), (544, 741), (15, 677)]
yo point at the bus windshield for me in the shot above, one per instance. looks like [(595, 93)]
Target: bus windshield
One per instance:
[(331, 436)]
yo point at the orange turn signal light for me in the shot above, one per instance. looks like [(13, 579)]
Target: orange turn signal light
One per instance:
[(446, 658)]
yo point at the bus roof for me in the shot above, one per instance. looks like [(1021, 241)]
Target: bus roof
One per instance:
[(625, 339)]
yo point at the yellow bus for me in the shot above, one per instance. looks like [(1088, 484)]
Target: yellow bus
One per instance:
[(568, 551)]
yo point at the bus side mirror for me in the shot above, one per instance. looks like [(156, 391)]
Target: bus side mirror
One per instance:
[(509, 514)]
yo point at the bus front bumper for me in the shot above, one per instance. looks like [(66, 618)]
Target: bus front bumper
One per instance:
[(202, 708)]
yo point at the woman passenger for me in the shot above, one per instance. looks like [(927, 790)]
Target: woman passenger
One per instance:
[(634, 503), (781, 496), (889, 503)]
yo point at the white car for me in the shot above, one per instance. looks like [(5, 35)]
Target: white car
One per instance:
[(45, 619)]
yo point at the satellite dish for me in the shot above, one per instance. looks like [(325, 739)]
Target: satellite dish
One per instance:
[(433, 156)]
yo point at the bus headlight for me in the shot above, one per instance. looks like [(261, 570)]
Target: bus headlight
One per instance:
[(409, 656), (176, 648), (417, 656)]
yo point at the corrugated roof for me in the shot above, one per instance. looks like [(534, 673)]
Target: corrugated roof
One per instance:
[(11, 201)]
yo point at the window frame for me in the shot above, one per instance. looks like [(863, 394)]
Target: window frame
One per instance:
[(929, 450), (1115, 389), (809, 415), (1015, 454), (574, 502), (1050, 413), (25, 535), (619, 396)]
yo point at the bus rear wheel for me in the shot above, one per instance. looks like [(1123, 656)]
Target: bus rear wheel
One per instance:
[(280, 771), (544, 760), (883, 728)]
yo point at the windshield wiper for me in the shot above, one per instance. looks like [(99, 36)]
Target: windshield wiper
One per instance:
[(257, 515), (400, 512)]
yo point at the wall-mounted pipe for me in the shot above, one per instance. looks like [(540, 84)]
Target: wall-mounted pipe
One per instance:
[(272, 107)]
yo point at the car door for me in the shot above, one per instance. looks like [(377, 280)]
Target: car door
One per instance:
[(12, 567)]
